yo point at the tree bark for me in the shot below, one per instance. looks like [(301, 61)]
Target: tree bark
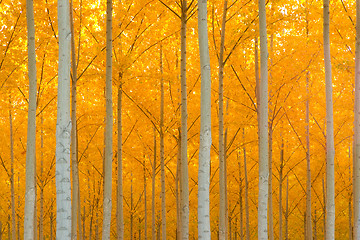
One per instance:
[(120, 210), (263, 128), (41, 220), (145, 203), (108, 127), (222, 169), (75, 210), (30, 188), (287, 210), (356, 150), (63, 127), (184, 178), (162, 160), (308, 170), (178, 174), (281, 179), (153, 229), (12, 186), (350, 208), (204, 231), (330, 150), (247, 216)]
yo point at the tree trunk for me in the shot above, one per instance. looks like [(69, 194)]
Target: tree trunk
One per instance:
[(270, 197), (63, 127), (222, 170), (108, 127), (184, 178), (30, 195), (287, 210), (41, 220), (280, 189), (330, 150), (263, 128), (324, 207), (178, 210), (131, 209), (308, 170), (13, 226), (247, 216), (204, 231), (162, 163), (356, 150), (240, 201), (153, 226), (350, 208), (315, 226), (145, 203), (74, 155), (120, 196)]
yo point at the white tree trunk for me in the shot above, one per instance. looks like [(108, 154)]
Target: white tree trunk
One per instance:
[(162, 160), (63, 127), (356, 150), (184, 178), (74, 160), (263, 128), (108, 127), (330, 150), (30, 195), (222, 169), (120, 210), (204, 231)]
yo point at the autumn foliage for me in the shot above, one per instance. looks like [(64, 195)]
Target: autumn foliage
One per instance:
[(295, 46)]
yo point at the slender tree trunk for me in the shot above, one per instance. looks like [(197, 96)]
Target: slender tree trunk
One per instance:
[(41, 220), (51, 224), (30, 188), (247, 216), (162, 160), (281, 179), (153, 224), (356, 150), (145, 203), (240, 200), (74, 160), (287, 210), (108, 128), (315, 226), (63, 127), (13, 226), (178, 174), (97, 227), (257, 79), (350, 208), (324, 208), (270, 196), (308, 170), (330, 150), (263, 128), (120, 210), (204, 231), (131, 209), (184, 178), (222, 171)]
